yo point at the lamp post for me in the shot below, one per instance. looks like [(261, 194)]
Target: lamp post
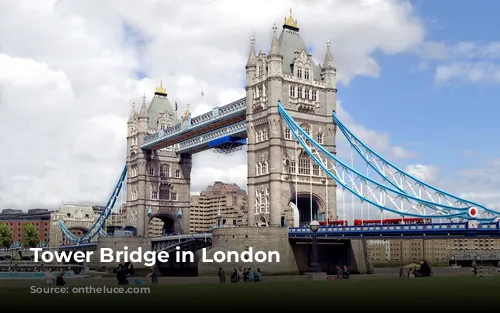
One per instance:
[(314, 266)]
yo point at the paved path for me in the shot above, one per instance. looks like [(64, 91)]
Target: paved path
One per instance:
[(111, 281)]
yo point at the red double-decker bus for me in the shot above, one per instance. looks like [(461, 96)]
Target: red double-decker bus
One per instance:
[(334, 223)]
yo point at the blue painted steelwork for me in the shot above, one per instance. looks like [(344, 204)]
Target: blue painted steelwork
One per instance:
[(415, 230), (98, 227), (418, 207), (227, 111), (402, 180), (226, 140), (202, 142)]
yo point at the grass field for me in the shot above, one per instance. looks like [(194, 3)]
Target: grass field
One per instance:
[(389, 294)]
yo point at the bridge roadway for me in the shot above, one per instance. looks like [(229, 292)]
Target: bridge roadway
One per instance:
[(211, 125), (403, 231)]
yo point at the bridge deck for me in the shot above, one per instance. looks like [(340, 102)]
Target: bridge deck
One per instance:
[(208, 122)]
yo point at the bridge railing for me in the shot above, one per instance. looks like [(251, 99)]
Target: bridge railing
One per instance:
[(229, 130), (197, 121)]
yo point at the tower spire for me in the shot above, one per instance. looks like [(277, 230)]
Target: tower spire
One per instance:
[(290, 23), (144, 107), (160, 90), (251, 57), (133, 113), (328, 63), (275, 49)]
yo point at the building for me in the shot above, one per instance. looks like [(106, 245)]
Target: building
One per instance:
[(77, 218), (157, 181), (277, 169), (399, 251), (15, 219), (219, 205)]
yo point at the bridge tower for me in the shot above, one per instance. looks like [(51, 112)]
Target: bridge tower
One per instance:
[(158, 182), (278, 171)]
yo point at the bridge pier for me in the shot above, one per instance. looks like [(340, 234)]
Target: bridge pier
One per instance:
[(260, 239)]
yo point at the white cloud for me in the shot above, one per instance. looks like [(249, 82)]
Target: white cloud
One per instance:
[(69, 75), (472, 62), (427, 173)]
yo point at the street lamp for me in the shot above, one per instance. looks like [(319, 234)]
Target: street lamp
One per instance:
[(314, 266)]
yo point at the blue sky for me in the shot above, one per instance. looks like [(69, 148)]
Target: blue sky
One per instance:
[(439, 121)]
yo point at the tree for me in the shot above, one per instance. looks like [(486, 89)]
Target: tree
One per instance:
[(5, 236), (30, 235)]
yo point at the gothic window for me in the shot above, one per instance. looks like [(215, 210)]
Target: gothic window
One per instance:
[(265, 168), (315, 170), (165, 170), (173, 195), (291, 167), (154, 194), (135, 195), (306, 74), (304, 167), (258, 136), (257, 202), (299, 72), (257, 169), (320, 138), (302, 93), (165, 192), (133, 171), (177, 173), (306, 128), (314, 95), (265, 134), (292, 91), (162, 126), (307, 94), (151, 171), (288, 133)]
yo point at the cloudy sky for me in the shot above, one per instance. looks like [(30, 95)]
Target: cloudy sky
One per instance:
[(418, 81)]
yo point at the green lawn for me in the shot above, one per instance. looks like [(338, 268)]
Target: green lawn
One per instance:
[(390, 294)]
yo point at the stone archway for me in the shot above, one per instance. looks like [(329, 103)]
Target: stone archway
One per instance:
[(308, 203), (262, 222), (164, 223)]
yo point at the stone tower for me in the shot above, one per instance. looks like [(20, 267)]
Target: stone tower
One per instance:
[(279, 172), (158, 182)]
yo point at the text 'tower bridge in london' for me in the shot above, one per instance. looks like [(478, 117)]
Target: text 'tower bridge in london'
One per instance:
[(289, 124)]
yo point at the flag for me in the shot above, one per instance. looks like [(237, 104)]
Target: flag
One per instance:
[(175, 105), (202, 94)]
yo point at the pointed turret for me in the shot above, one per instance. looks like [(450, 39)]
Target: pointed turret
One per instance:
[(329, 63), (144, 108), (143, 117), (252, 57), (133, 114), (275, 46), (275, 58)]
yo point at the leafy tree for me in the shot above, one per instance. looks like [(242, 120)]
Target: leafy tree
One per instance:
[(5, 236), (30, 235)]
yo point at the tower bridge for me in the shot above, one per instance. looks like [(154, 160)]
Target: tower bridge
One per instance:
[(289, 124)]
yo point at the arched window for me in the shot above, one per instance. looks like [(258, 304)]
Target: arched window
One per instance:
[(307, 94), (265, 168), (165, 170), (257, 169), (258, 136)]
